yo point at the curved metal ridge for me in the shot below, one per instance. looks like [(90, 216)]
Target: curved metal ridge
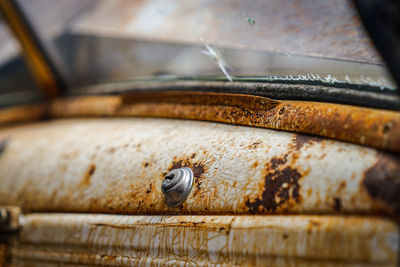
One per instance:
[(22, 113), (367, 97), (117, 166), (365, 126), (207, 240)]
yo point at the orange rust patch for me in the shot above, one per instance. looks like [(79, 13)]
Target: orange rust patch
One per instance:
[(342, 185), (309, 192), (382, 181), (312, 224), (88, 175)]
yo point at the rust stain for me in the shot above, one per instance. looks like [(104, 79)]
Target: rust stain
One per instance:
[(342, 185), (280, 186), (300, 140), (337, 204), (285, 236), (276, 162), (88, 176), (254, 145), (4, 256), (312, 225), (275, 187), (365, 126), (197, 168), (148, 191), (382, 181)]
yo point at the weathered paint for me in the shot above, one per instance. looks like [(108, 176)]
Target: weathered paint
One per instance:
[(370, 127), (208, 240), (117, 166)]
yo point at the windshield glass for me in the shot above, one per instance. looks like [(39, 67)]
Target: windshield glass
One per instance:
[(294, 41), (17, 84)]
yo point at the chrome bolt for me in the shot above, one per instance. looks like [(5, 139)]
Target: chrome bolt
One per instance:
[(177, 185)]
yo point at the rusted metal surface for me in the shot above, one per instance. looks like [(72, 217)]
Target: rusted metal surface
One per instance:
[(117, 166), (21, 113), (208, 240), (370, 127), (278, 91), (365, 126), (4, 260)]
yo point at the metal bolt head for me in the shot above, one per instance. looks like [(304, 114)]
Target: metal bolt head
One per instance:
[(177, 185)]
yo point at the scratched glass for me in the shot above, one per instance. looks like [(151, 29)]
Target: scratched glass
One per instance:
[(125, 43)]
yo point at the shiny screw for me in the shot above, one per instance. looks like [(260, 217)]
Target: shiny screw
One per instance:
[(177, 185)]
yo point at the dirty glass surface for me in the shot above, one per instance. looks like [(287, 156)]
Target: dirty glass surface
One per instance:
[(295, 41), (16, 82)]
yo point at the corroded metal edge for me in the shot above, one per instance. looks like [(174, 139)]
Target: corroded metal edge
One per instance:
[(341, 94), (208, 240), (22, 113), (365, 126), (117, 166), (4, 258)]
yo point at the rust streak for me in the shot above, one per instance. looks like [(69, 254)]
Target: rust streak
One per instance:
[(382, 181), (88, 176)]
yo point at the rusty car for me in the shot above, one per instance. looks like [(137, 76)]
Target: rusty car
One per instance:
[(199, 133)]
